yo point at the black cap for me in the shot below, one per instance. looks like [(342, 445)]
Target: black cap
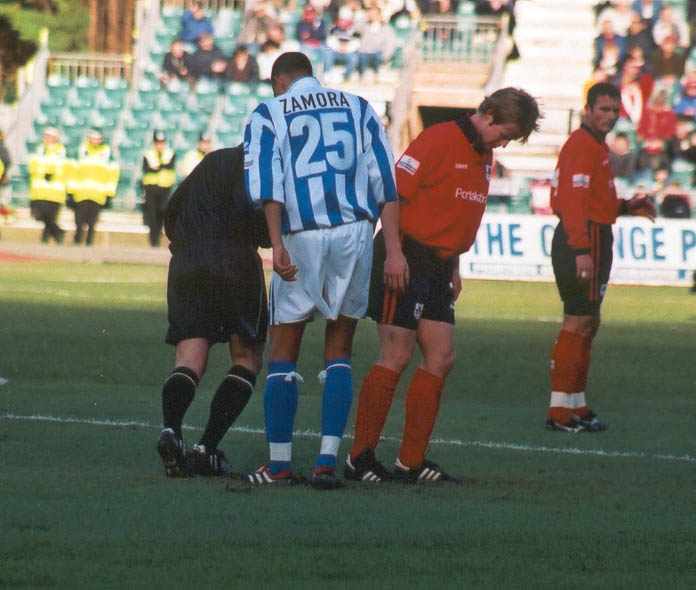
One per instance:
[(205, 136), (159, 135)]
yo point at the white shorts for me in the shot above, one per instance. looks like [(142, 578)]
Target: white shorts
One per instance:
[(333, 274)]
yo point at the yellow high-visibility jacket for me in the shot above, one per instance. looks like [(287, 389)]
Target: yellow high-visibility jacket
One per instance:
[(159, 168), (93, 176), (47, 171)]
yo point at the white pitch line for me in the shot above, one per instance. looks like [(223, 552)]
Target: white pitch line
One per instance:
[(436, 441)]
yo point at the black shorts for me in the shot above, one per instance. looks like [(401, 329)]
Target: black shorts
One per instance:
[(429, 293), (215, 297), (582, 298)]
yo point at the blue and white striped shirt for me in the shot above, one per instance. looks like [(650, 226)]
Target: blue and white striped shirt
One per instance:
[(322, 153)]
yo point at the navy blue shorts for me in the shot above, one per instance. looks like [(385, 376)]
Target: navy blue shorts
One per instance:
[(582, 298), (429, 293), (216, 297)]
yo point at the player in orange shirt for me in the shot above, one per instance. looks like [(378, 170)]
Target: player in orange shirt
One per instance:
[(584, 198), (442, 180)]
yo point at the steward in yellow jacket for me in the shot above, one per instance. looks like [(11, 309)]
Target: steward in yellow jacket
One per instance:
[(47, 188), (159, 176), (92, 184)]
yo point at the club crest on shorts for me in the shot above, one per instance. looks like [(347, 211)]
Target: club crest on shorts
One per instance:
[(418, 311)]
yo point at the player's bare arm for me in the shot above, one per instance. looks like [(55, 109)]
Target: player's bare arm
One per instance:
[(281, 257), (395, 265)]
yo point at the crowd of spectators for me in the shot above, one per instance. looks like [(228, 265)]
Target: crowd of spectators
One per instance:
[(647, 48), (347, 33)]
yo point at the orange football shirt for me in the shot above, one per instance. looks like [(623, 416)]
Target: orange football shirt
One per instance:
[(442, 181)]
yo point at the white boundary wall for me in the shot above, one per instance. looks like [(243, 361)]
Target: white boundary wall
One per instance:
[(518, 247)]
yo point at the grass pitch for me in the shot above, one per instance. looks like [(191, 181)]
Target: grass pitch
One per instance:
[(85, 503)]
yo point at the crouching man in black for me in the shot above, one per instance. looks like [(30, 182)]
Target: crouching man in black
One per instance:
[(216, 292)]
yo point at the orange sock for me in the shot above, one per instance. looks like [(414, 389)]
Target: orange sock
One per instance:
[(374, 403), (569, 366), (422, 405), (583, 411)]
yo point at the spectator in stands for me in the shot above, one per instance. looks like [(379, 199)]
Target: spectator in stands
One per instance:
[(357, 11), (378, 42), (194, 23), (394, 10), (269, 52), (686, 104), (619, 12), (636, 88), (666, 63), (272, 48), (647, 10), (608, 42), (659, 121), (257, 21), (47, 188), (500, 8), (438, 6), (311, 30), (621, 158), (342, 43), (640, 35), (683, 138), (669, 24), (653, 157), (242, 67), (5, 163), (176, 64), (208, 61)]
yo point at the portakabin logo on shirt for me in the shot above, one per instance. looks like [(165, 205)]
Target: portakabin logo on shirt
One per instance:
[(465, 195)]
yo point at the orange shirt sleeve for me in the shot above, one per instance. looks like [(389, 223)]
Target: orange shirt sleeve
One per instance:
[(413, 166), (576, 168)]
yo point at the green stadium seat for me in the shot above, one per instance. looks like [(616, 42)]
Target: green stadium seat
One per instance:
[(53, 108), (87, 88), (228, 139), (237, 89), (58, 86), (171, 17), (130, 153), (264, 91)]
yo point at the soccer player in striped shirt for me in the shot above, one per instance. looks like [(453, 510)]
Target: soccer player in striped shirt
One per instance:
[(319, 162), (584, 198)]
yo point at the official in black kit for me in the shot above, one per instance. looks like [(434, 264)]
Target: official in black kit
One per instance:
[(216, 292)]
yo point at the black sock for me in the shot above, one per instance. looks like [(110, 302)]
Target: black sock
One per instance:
[(177, 394), (228, 402)]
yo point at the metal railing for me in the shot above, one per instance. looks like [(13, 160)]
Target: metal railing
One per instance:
[(94, 65), (464, 40), (210, 5)]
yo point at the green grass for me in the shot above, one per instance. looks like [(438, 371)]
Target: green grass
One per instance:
[(85, 503)]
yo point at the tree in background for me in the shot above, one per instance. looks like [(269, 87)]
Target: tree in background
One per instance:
[(99, 26), (110, 25)]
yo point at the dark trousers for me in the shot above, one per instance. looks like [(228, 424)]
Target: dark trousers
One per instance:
[(47, 213), (156, 198), (86, 213)]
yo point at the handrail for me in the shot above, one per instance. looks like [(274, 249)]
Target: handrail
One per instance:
[(95, 65)]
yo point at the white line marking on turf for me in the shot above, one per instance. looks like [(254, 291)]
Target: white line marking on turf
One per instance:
[(436, 441)]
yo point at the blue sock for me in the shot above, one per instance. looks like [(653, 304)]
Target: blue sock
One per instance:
[(280, 406), (336, 400)]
